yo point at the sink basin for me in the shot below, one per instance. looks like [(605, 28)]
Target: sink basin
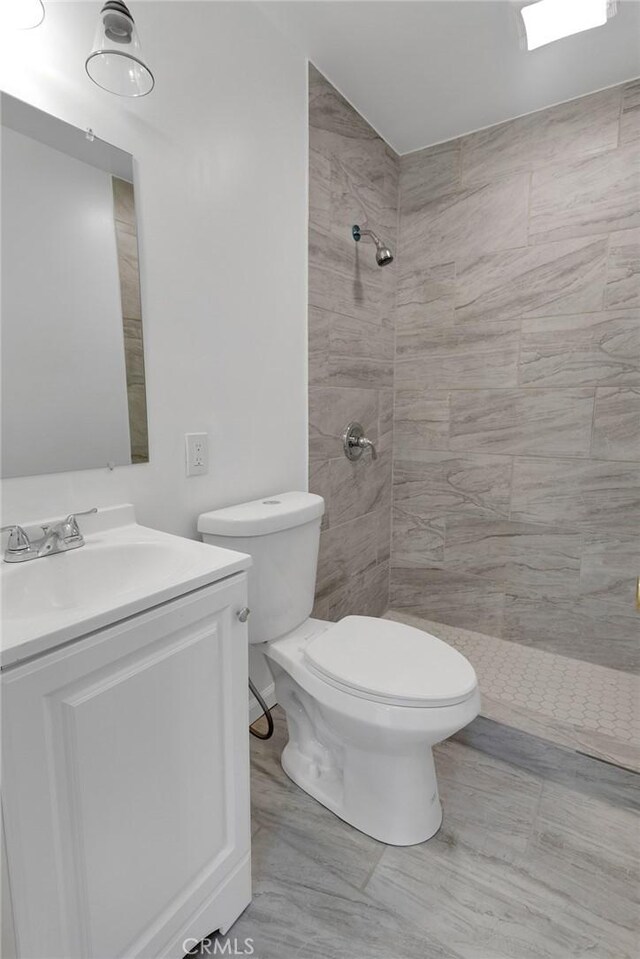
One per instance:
[(85, 577), (122, 569)]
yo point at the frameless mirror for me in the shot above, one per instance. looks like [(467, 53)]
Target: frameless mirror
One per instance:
[(73, 385)]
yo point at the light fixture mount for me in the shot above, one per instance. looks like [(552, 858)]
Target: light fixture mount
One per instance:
[(116, 63)]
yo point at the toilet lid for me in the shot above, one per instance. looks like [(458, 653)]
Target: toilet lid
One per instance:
[(391, 662)]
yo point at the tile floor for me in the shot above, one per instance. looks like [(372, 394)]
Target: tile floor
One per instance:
[(572, 703), (537, 858)]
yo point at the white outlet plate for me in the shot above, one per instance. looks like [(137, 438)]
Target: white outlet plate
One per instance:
[(197, 448)]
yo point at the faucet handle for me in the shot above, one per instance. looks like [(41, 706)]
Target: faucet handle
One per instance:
[(354, 442), (18, 539), (70, 528)]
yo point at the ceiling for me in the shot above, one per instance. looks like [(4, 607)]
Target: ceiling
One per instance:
[(424, 71)]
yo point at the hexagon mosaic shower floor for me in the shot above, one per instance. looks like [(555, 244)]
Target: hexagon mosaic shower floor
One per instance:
[(572, 703)]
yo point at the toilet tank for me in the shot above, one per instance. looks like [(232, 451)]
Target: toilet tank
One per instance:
[(281, 534)]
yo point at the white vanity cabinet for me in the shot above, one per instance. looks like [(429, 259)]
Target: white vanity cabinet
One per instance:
[(125, 787)]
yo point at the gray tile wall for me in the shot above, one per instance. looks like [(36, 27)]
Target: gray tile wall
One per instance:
[(516, 492), (353, 178)]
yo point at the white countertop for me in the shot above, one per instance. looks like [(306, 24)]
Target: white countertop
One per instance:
[(122, 569)]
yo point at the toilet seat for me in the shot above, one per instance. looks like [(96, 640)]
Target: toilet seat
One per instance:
[(388, 662)]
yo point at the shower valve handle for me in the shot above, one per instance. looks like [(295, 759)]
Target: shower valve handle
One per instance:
[(354, 442)]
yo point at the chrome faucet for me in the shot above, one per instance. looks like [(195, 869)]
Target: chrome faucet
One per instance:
[(59, 538)]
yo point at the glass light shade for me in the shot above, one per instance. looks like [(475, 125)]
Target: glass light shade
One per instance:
[(549, 20), (23, 14), (116, 63)]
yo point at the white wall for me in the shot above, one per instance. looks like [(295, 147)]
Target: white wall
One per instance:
[(64, 386), (221, 168)]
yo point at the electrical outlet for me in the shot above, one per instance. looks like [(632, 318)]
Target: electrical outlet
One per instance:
[(197, 445)]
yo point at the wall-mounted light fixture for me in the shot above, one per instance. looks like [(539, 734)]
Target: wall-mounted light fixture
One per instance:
[(23, 14), (549, 20), (115, 62)]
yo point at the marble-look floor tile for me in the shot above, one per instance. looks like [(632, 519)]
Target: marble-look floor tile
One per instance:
[(490, 805), (418, 537), (539, 422), (630, 116), (579, 128), (457, 598), (301, 910), (535, 841), (439, 482), (584, 197), (544, 280), (330, 410), (616, 424), (590, 495), (457, 355), (623, 273), (483, 903), (288, 813), (590, 349), (480, 219), (513, 553), (584, 848), (607, 782), (428, 174), (421, 421)]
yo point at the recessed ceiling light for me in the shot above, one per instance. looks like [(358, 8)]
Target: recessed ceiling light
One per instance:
[(549, 20)]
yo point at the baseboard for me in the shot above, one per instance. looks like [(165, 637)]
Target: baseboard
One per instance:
[(269, 696)]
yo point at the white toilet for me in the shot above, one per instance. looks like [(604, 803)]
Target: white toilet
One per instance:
[(365, 699)]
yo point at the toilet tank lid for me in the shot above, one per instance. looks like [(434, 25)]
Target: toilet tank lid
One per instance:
[(261, 516)]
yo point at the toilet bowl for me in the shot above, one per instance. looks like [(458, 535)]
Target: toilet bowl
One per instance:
[(365, 699)]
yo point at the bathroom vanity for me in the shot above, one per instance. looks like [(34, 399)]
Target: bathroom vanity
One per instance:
[(125, 788)]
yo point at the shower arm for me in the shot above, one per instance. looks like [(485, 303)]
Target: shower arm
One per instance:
[(357, 233)]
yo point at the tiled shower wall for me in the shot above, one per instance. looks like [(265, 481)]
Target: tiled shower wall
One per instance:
[(517, 378), (353, 179)]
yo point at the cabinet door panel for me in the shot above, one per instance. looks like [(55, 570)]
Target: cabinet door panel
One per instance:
[(131, 750)]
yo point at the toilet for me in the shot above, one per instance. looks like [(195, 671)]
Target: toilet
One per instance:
[(365, 699)]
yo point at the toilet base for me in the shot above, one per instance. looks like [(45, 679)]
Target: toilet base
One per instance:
[(370, 763), (326, 789)]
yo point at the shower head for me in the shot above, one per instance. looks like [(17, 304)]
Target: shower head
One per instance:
[(384, 256)]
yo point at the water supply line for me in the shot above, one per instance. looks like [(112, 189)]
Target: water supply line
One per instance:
[(267, 712), (243, 615)]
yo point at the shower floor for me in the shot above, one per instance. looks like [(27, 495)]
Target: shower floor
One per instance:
[(586, 707)]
